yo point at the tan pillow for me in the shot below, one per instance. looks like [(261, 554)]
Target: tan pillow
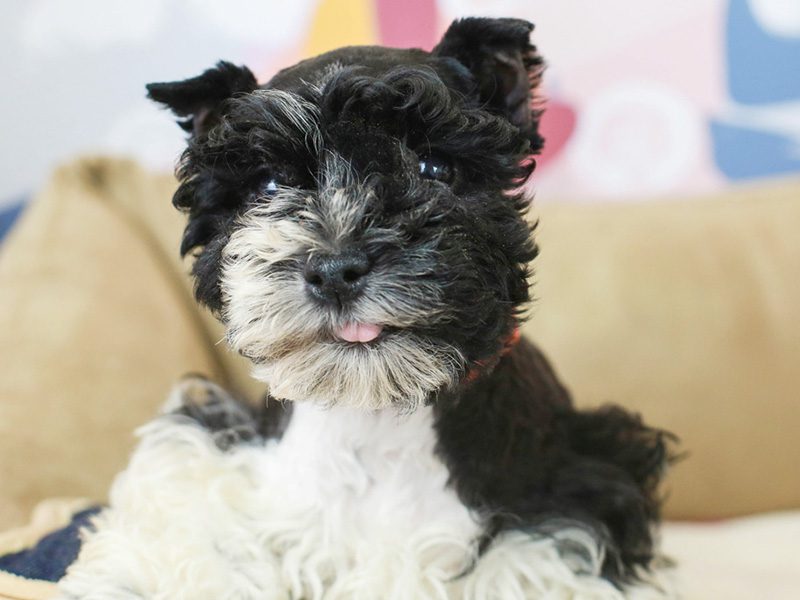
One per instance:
[(688, 311), (94, 328)]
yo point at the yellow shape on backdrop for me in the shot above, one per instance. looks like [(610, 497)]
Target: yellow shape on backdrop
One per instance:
[(341, 23)]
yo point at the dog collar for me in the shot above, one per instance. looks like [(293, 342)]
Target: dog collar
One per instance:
[(508, 345)]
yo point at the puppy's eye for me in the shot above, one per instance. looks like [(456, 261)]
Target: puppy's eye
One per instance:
[(269, 187), (438, 168)]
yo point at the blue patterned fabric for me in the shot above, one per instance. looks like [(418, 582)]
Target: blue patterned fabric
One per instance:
[(49, 558)]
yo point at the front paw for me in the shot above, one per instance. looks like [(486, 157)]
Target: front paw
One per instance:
[(229, 421)]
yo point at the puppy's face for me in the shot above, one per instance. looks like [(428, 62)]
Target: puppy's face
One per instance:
[(355, 221)]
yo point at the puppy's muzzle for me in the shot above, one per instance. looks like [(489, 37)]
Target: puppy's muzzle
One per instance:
[(336, 279)]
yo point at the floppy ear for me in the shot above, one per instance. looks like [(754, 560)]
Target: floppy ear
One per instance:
[(506, 66), (198, 99)]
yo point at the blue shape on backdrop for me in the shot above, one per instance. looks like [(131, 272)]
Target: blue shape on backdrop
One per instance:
[(8, 216), (744, 153), (762, 67)]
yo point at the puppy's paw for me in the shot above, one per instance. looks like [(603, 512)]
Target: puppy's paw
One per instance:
[(229, 421)]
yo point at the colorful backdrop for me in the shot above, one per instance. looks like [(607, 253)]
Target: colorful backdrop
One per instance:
[(645, 98)]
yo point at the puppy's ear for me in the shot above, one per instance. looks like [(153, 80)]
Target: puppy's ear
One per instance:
[(198, 99), (505, 64)]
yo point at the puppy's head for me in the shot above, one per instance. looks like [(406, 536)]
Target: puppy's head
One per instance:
[(356, 220)]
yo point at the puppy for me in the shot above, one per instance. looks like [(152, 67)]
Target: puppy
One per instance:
[(357, 223)]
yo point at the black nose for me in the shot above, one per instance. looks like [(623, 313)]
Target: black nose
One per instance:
[(336, 279)]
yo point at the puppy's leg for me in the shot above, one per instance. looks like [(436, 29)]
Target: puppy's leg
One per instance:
[(610, 476), (179, 523), (228, 420)]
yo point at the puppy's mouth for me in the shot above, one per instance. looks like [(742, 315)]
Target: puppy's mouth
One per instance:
[(358, 333)]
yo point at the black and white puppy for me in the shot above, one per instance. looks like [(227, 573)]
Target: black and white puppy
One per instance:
[(358, 226)]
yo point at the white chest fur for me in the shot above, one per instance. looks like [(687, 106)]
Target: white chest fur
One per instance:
[(348, 505), (371, 503)]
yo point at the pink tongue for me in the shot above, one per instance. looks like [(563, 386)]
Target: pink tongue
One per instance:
[(359, 332)]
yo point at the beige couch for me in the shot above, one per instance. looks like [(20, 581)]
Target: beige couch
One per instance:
[(687, 311)]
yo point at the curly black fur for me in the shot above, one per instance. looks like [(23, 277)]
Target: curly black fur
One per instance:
[(520, 453)]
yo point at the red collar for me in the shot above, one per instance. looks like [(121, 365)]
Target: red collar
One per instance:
[(508, 345)]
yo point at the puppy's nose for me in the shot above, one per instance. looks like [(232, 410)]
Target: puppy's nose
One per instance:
[(336, 279)]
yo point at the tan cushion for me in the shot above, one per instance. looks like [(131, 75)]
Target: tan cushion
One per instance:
[(686, 311), (94, 328), (741, 559)]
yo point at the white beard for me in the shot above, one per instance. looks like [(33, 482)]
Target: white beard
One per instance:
[(271, 320), (349, 504)]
